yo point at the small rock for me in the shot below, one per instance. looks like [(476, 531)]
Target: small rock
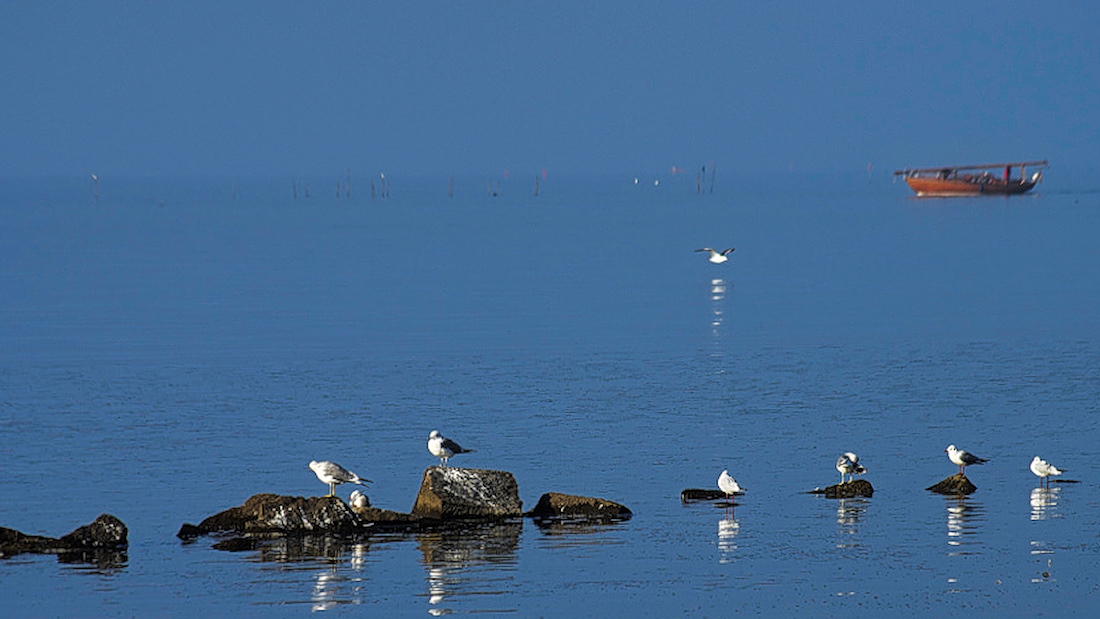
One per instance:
[(449, 493), (701, 494), (847, 490), (556, 505), (956, 484)]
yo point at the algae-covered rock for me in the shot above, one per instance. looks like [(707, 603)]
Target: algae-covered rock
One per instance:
[(449, 493), (557, 505), (956, 484)]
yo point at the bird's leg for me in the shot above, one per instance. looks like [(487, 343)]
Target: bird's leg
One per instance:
[(332, 489)]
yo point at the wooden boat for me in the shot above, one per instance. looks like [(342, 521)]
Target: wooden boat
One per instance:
[(970, 180)]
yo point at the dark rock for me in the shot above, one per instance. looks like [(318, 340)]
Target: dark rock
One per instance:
[(956, 484), (556, 505), (387, 519), (700, 494), (847, 490), (237, 544), (449, 493), (106, 533), (277, 514)]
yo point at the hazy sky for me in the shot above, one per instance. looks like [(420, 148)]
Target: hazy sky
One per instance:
[(283, 87)]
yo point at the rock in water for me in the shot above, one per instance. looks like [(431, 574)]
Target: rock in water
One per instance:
[(105, 533), (556, 505), (273, 513), (701, 494), (455, 493), (956, 484), (849, 489)]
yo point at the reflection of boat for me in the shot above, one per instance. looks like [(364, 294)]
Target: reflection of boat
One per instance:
[(972, 180)]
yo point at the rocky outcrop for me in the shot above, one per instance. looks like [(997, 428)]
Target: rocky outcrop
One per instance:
[(847, 490), (286, 515), (105, 534), (449, 493), (956, 484), (556, 505)]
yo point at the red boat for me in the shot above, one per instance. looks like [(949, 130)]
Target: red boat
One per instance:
[(970, 180)]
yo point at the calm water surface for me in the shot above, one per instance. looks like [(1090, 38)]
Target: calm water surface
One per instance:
[(170, 351)]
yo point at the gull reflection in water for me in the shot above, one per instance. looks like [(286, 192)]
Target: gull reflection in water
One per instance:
[(1044, 503), (717, 294), (963, 516), (728, 528), (326, 589), (848, 514), (1044, 506), (450, 556)]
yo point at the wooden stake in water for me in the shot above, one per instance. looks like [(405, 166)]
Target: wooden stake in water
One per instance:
[(95, 187)]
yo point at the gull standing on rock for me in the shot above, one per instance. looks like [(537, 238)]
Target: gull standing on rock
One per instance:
[(1044, 470), (333, 474), (848, 464), (717, 257), (443, 447), (728, 484), (963, 458)]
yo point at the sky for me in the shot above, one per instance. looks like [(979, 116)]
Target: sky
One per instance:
[(280, 87)]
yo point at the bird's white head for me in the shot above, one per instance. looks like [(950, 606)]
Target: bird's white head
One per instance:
[(434, 434)]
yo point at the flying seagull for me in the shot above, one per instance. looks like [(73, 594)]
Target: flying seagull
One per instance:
[(717, 257), (1044, 470), (333, 474), (848, 464), (443, 447), (963, 458)]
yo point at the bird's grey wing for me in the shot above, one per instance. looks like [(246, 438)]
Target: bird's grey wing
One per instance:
[(450, 445), (338, 472)]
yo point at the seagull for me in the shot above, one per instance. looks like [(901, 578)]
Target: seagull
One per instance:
[(717, 257), (848, 464), (963, 458), (443, 447), (1043, 470), (358, 500), (728, 484), (333, 474)]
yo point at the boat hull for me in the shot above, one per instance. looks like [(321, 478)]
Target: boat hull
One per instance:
[(949, 187)]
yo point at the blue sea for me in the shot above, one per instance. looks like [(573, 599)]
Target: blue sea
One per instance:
[(177, 345)]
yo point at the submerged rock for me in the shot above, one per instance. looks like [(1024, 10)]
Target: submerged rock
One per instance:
[(557, 505), (847, 490), (701, 494), (277, 514), (449, 493), (387, 519), (105, 534), (956, 484)]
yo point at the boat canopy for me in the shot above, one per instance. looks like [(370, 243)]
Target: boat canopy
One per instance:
[(984, 166)]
